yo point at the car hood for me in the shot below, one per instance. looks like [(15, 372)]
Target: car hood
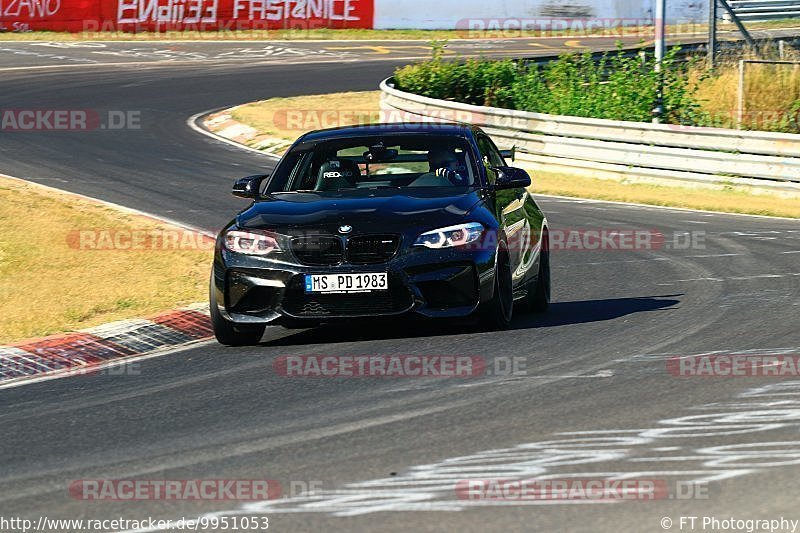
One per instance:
[(367, 211)]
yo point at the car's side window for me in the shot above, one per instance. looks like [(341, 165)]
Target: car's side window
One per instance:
[(299, 176), (490, 157)]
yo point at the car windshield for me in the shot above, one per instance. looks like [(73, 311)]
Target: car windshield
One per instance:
[(388, 162)]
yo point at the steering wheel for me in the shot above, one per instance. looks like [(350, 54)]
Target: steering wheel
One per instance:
[(454, 177)]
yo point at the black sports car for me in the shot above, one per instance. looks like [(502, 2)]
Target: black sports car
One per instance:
[(381, 220)]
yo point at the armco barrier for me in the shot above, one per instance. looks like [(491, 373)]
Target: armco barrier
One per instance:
[(200, 15), (628, 148)]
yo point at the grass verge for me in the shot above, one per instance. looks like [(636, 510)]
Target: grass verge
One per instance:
[(771, 93), (308, 112), (51, 282), (727, 201), (288, 118)]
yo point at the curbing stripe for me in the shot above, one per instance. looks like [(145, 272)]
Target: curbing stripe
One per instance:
[(35, 362), (74, 349), (191, 323), (15, 362), (140, 336), (80, 351)]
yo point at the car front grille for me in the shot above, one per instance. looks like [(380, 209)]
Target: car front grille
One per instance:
[(298, 303), (372, 249), (329, 250), (318, 250)]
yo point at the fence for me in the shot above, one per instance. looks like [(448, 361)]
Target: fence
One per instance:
[(759, 10)]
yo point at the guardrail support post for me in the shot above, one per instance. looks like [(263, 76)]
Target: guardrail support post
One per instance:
[(713, 11), (741, 100), (736, 20), (661, 47)]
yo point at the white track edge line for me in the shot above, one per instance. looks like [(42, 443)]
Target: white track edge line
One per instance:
[(192, 123), (664, 207)]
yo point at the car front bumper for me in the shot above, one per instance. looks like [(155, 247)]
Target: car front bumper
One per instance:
[(447, 283)]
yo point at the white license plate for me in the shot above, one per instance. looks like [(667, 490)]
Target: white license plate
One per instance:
[(347, 283)]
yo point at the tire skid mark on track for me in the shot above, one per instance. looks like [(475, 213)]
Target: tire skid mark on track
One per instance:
[(433, 487), (446, 401), (733, 278)]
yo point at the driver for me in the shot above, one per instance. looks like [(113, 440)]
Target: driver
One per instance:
[(443, 163)]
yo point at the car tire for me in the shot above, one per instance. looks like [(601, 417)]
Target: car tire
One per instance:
[(539, 296), (231, 334), (498, 312)]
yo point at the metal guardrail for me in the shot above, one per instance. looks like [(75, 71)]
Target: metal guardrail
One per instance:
[(686, 50), (585, 145), (760, 10)]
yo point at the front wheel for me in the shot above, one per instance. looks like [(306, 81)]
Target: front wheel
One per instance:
[(230, 333), (498, 312)]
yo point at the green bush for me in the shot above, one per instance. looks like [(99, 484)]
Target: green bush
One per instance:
[(616, 87), (474, 81)]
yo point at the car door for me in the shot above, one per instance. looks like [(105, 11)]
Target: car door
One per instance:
[(509, 208)]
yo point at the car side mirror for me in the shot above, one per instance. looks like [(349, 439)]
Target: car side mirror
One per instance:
[(510, 154), (511, 178), (249, 187)]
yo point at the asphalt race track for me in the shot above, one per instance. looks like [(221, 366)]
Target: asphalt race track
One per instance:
[(595, 398)]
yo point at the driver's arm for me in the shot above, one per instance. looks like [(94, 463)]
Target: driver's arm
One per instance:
[(454, 177)]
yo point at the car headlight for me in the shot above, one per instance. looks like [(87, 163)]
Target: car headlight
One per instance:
[(252, 242), (451, 236)]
